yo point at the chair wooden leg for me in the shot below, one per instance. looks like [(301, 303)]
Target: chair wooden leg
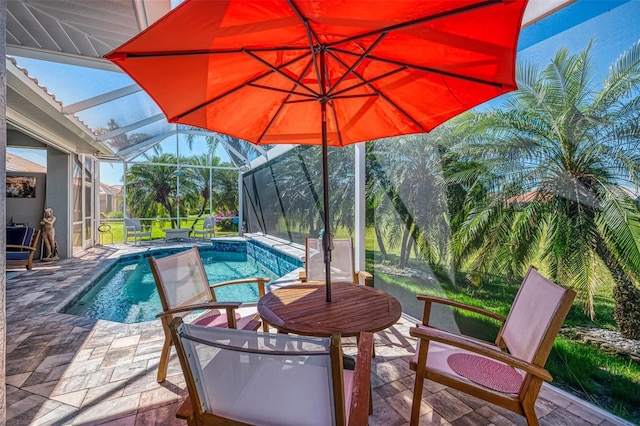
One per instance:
[(529, 402), (417, 400), (163, 365), (421, 366), (530, 414)]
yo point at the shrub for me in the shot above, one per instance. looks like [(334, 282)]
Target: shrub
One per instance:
[(227, 225)]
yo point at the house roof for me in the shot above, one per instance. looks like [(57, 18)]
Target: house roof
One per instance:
[(19, 164), (110, 189)]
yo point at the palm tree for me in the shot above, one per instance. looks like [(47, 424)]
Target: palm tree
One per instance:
[(152, 188), (407, 170), (201, 179), (556, 164), (292, 185)]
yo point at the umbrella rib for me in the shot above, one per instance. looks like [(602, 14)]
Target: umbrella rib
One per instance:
[(276, 89), (366, 82), (305, 21), (379, 93), (357, 62), (235, 89), (300, 101), (313, 54), (426, 69), (311, 35), (364, 95), (145, 55), (286, 100), (278, 70), (419, 21)]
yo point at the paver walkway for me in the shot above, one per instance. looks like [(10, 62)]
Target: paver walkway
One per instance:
[(68, 370)]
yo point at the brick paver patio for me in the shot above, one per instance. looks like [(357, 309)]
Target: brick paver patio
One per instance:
[(68, 370)]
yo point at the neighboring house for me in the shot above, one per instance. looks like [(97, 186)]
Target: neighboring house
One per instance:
[(537, 194), (110, 198), (524, 199), (633, 193), (19, 164)]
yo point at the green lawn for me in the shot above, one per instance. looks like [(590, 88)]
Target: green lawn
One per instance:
[(158, 227), (603, 379)]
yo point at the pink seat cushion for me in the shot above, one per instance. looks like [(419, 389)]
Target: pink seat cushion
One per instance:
[(486, 372), (211, 319)]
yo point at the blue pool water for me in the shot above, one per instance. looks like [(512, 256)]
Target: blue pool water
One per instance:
[(127, 292)]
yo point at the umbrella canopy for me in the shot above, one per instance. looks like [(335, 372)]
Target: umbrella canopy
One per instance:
[(328, 72)]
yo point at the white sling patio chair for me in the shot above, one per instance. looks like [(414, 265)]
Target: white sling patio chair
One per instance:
[(134, 229), (238, 377), (509, 372), (183, 288), (342, 263), (208, 228)]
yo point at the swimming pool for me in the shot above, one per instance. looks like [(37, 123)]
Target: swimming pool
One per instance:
[(127, 292)]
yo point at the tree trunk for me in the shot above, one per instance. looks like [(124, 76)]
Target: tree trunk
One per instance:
[(403, 249), (205, 203), (626, 310), (626, 297), (410, 246), (380, 240), (169, 209)]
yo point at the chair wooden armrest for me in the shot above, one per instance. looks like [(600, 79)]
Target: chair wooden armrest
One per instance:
[(365, 278), (487, 350), (253, 325), (201, 306), (19, 247), (261, 292), (360, 397), (260, 281), (229, 308), (242, 281), (428, 300)]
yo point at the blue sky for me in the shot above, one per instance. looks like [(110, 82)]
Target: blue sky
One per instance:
[(612, 24)]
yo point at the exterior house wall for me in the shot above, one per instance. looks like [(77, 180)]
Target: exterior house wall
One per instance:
[(58, 197)]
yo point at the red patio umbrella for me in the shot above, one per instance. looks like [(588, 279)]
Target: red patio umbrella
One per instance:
[(330, 72)]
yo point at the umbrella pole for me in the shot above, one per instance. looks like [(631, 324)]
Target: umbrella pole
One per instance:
[(326, 237)]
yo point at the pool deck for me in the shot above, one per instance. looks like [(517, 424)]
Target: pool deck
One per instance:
[(68, 370)]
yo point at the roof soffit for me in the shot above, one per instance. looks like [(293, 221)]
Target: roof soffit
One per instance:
[(78, 32)]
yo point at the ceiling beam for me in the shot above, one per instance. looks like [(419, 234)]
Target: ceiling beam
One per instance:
[(121, 130), (101, 99), (135, 150), (62, 57)]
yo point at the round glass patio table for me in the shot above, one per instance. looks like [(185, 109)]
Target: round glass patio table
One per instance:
[(303, 309)]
